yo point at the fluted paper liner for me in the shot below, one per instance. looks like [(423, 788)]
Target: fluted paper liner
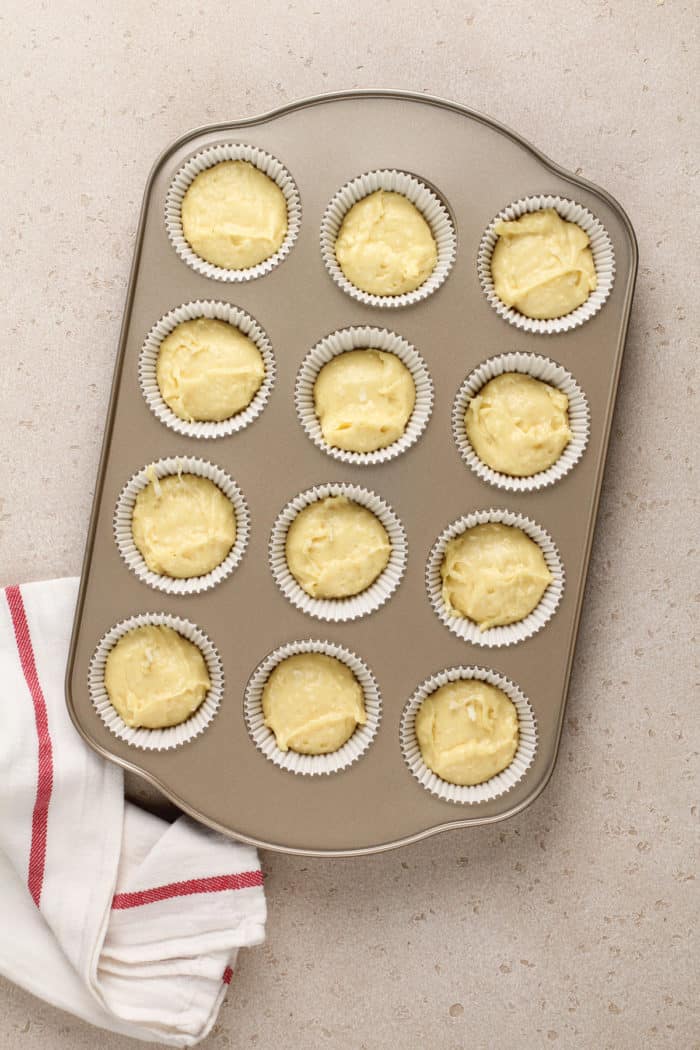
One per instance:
[(548, 372), (603, 260), (364, 337), (428, 204), (337, 610), (507, 634), (495, 786), (148, 363), (123, 533), (173, 736), (312, 765), (207, 158)]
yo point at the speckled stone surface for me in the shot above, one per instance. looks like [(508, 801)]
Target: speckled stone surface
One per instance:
[(572, 924)]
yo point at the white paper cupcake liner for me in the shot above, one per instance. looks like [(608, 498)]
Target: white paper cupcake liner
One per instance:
[(428, 204), (156, 739), (338, 610), (363, 337), (548, 372), (603, 259), (503, 781), (312, 765), (148, 362), (124, 538), (207, 158), (508, 634)]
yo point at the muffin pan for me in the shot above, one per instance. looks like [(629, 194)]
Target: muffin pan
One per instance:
[(221, 775)]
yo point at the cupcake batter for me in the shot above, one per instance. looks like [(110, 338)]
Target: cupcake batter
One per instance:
[(493, 574), (467, 731), (542, 265), (234, 215), (363, 400), (385, 246), (336, 548), (312, 703), (183, 525), (155, 678), (207, 370), (518, 425)]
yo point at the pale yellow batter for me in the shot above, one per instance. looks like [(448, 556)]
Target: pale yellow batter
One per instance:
[(493, 574), (363, 400), (183, 525), (467, 731), (336, 548), (542, 265), (518, 425), (208, 370), (234, 215), (155, 678), (385, 246), (312, 703)]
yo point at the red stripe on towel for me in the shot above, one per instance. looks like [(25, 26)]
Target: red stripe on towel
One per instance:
[(243, 880), (228, 974), (44, 787)]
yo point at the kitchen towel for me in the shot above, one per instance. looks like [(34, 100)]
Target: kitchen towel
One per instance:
[(109, 912)]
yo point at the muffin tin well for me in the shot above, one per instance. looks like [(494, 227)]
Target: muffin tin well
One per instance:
[(227, 773)]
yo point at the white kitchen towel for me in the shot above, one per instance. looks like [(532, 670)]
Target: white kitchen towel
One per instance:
[(108, 912)]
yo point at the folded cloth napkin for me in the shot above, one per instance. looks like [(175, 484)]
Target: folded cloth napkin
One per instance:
[(108, 912)]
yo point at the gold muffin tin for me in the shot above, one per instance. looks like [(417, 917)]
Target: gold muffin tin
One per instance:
[(476, 168)]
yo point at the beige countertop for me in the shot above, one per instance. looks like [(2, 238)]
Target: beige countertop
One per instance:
[(570, 925)]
